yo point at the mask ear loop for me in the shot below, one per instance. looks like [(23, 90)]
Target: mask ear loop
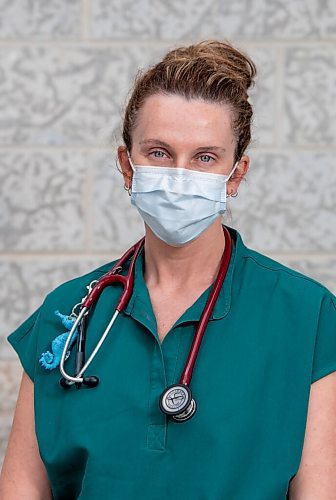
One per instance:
[(228, 177), (129, 189), (130, 161)]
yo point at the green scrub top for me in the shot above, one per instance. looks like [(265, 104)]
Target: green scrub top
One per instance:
[(271, 334)]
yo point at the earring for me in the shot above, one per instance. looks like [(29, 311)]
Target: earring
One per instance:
[(128, 189), (234, 195)]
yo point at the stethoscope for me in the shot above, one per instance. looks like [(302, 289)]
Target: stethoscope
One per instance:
[(176, 400)]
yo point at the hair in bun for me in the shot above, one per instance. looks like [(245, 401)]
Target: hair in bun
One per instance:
[(211, 70)]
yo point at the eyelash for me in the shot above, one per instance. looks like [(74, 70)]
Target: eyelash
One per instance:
[(200, 156), (157, 151), (211, 158)]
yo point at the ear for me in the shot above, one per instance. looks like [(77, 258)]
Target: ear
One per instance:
[(238, 175), (125, 166)]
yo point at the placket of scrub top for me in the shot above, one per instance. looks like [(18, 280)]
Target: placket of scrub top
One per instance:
[(167, 356)]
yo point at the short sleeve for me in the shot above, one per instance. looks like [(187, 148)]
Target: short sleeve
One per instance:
[(324, 361), (24, 341)]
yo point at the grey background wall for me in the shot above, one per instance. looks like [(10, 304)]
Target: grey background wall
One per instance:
[(65, 70)]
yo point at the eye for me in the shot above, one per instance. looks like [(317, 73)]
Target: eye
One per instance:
[(157, 153), (205, 158)]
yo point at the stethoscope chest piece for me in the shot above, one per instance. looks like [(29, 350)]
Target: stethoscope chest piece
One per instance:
[(176, 401)]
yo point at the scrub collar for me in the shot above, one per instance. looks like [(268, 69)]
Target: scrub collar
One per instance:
[(140, 303)]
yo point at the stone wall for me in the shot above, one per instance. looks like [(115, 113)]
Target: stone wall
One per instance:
[(66, 67)]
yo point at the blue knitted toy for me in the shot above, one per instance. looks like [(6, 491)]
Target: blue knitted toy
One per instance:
[(50, 360)]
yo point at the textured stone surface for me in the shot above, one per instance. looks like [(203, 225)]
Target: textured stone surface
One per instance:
[(49, 95), (56, 97), (310, 95), (42, 201), (40, 18), (288, 203), (262, 95), (213, 18), (116, 223), (27, 282)]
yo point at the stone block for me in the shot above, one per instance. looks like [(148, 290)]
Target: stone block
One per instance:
[(169, 20), (57, 19), (309, 96), (42, 201), (287, 203), (51, 95), (116, 223)]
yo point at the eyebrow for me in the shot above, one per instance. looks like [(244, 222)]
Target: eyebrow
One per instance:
[(154, 142), (157, 142)]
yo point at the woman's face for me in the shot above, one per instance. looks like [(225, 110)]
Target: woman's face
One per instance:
[(172, 131)]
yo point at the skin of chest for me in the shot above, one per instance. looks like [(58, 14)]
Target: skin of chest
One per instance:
[(169, 305)]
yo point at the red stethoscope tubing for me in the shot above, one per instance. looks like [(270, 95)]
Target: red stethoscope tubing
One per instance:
[(112, 277), (189, 366), (127, 281)]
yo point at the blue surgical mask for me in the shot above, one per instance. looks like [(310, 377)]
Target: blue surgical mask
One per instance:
[(178, 204)]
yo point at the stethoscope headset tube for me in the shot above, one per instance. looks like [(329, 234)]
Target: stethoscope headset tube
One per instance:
[(176, 400), (67, 381), (110, 277)]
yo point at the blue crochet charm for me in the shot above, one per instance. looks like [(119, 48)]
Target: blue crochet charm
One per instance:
[(50, 360)]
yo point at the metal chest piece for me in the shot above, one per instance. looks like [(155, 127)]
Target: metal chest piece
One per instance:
[(176, 401)]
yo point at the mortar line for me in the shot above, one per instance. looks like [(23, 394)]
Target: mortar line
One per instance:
[(89, 206), (157, 43), (279, 101), (85, 20)]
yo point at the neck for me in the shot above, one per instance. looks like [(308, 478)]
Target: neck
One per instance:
[(196, 264)]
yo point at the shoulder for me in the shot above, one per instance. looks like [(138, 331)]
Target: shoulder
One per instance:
[(84, 278), (269, 272), (71, 292)]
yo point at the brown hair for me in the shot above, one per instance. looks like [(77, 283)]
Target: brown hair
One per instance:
[(210, 70)]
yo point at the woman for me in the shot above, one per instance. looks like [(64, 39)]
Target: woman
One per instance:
[(264, 380)]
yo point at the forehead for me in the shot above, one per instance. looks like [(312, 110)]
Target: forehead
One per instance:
[(176, 119)]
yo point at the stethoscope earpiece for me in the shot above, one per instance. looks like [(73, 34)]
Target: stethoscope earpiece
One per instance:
[(66, 384), (89, 382)]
